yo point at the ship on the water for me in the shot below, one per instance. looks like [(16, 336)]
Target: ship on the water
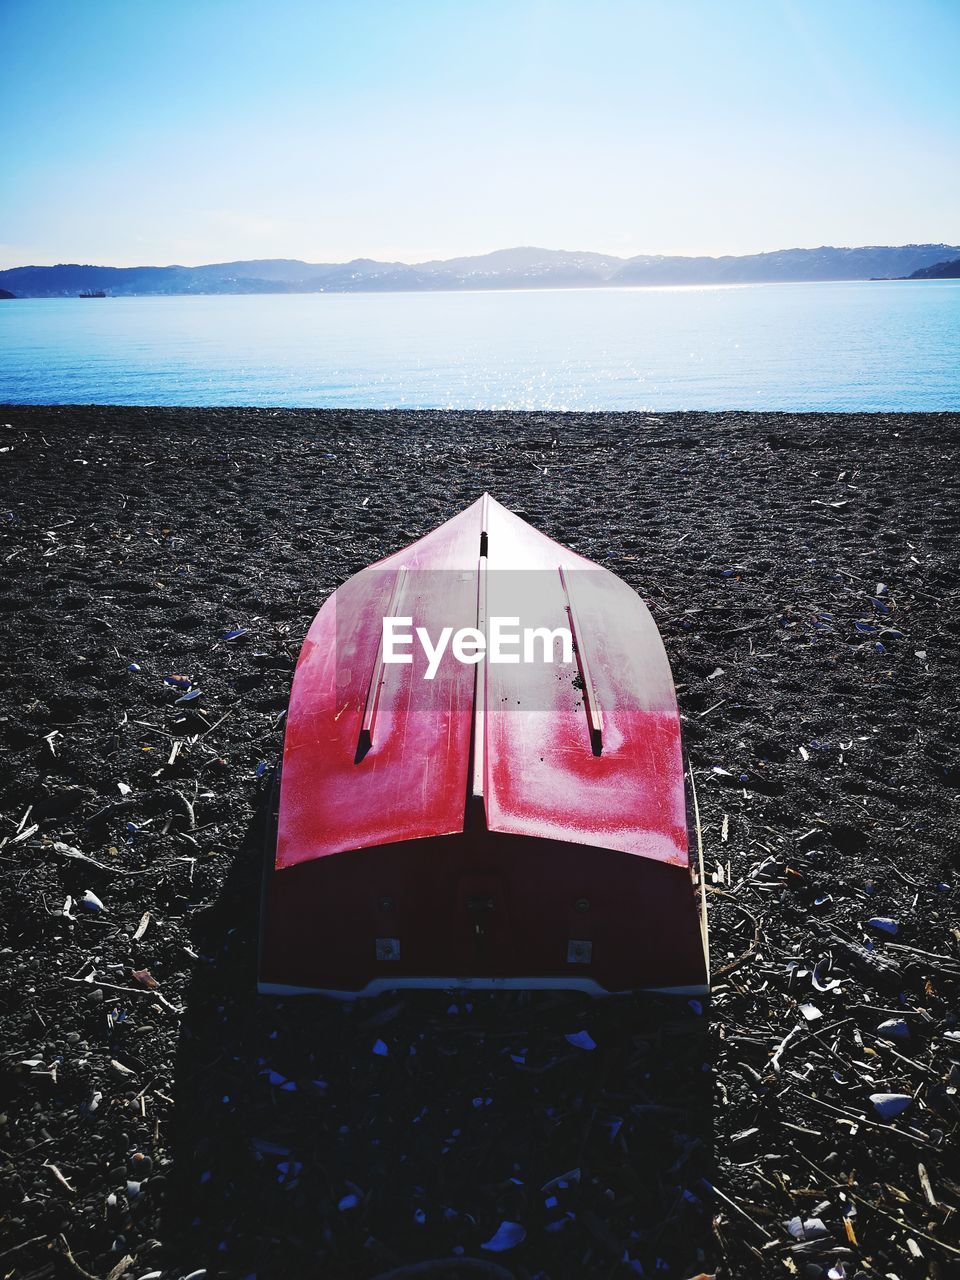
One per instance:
[(92, 293)]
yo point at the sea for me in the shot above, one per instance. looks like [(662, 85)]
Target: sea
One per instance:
[(851, 346)]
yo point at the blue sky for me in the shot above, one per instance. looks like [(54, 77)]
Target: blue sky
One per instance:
[(200, 130)]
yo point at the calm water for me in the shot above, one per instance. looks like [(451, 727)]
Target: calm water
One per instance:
[(795, 346)]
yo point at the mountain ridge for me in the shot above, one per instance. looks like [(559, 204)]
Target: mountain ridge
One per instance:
[(515, 268), (939, 271)]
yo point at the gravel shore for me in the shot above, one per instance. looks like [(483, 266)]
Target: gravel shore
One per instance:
[(159, 1117)]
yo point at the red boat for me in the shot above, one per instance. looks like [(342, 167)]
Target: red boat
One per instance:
[(513, 820)]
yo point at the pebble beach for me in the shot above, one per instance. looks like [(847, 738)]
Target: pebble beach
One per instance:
[(161, 1119)]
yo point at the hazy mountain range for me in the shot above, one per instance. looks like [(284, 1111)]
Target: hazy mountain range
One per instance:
[(523, 268)]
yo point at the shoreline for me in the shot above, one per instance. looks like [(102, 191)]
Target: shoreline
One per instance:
[(828, 773), (847, 418)]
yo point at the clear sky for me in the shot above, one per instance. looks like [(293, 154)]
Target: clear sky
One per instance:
[(134, 131)]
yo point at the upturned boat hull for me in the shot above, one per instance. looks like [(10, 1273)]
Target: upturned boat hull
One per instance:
[(514, 823)]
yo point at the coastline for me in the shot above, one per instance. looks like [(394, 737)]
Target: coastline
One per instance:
[(587, 287), (827, 771)]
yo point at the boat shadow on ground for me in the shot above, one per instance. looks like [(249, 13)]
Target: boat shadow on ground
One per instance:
[(317, 1138)]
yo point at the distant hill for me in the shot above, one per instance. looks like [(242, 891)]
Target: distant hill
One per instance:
[(5, 293), (939, 271), (522, 268)]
